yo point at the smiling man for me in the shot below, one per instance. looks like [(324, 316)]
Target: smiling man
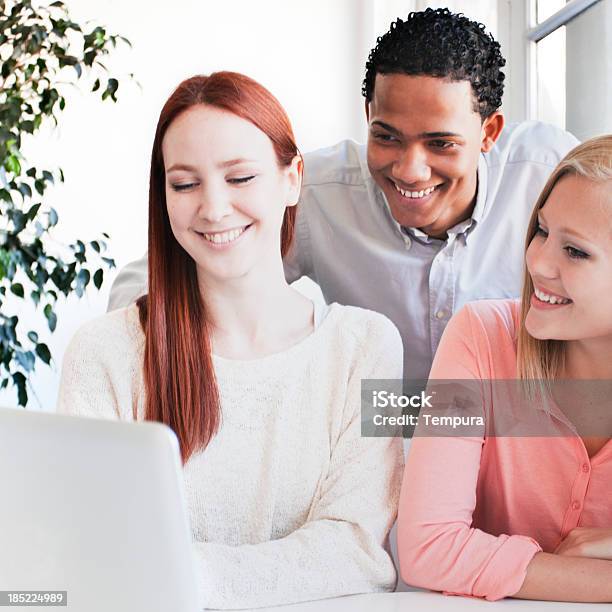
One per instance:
[(432, 213)]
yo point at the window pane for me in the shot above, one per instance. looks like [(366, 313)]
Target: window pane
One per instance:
[(550, 61), (546, 8)]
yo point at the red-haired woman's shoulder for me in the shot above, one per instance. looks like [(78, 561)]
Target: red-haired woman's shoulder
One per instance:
[(118, 331), (367, 332), (366, 342), (363, 323)]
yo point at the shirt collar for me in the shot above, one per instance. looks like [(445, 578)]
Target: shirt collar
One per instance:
[(481, 190)]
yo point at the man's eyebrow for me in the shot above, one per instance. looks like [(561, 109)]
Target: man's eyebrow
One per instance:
[(393, 130), (386, 126), (440, 135)]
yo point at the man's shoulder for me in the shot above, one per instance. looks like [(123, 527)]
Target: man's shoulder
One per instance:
[(342, 163), (531, 142)]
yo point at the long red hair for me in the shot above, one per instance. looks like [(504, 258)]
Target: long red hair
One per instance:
[(180, 386)]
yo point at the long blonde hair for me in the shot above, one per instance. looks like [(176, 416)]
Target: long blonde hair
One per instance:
[(592, 160)]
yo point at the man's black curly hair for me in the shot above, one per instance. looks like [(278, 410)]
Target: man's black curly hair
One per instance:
[(441, 44)]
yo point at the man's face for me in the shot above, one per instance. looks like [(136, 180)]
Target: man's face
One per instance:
[(424, 141)]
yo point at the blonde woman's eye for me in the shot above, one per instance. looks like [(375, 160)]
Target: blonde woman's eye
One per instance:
[(241, 179)]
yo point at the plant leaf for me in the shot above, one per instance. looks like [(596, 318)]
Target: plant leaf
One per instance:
[(51, 317), (98, 278), (32, 212), (12, 165), (17, 289), (42, 350), (19, 380), (26, 360), (53, 218), (25, 190)]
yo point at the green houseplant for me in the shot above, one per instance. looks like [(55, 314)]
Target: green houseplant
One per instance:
[(42, 52)]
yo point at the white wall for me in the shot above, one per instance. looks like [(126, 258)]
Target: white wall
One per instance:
[(483, 11)]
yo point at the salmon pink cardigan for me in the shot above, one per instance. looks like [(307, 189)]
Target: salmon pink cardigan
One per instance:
[(474, 510)]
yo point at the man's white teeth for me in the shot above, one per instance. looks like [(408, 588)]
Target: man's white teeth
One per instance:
[(551, 299), (415, 194), (224, 237)]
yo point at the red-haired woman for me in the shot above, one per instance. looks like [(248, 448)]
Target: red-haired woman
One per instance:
[(287, 501)]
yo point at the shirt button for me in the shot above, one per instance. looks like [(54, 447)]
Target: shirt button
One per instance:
[(586, 468), (407, 242), (441, 314), (576, 505)]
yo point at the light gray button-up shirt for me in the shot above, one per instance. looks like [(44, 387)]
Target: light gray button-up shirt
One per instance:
[(348, 242)]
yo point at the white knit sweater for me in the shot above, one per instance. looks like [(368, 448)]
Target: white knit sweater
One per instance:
[(288, 502)]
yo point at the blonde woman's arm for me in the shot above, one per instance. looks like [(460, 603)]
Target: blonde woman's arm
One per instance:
[(439, 549)]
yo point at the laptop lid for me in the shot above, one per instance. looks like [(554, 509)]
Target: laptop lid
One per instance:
[(95, 508)]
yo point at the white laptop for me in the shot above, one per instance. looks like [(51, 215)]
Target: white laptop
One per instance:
[(95, 510)]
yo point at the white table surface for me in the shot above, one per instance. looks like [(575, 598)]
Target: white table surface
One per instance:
[(432, 602)]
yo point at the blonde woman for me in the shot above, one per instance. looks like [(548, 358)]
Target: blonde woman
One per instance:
[(528, 517)]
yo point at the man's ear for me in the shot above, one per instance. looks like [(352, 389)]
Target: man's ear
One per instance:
[(295, 173), (367, 110), (491, 129)]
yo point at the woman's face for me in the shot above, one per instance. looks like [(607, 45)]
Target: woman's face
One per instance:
[(225, 191), (570, 263)]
